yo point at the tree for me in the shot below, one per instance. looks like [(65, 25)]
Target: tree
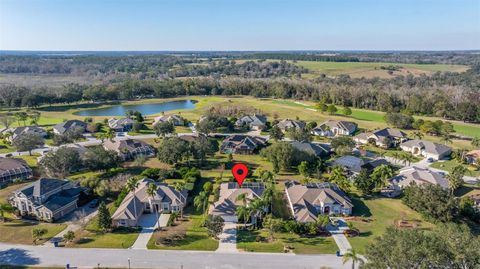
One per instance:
[(69, 236), (104, 220), (21, 116), (214, 225), (7, 121), (364, 183), (303, 169), (164, 128), (338, 177), (476, 142), (173, 150), (352, 255), (201, 201), (61, 162), (28, 142), (132, 185), (299, 134), (455, 178), (321, 106), (243, 213), (272, 225), (399, 120), (417, 135), (152, 192), (98, 158), (276, 133), (69, 136), (446, 138), (380, 175), (5, 208), (203, 147), (342, 145), (311, 125), (332, 109), (347, 111), (38, 233)]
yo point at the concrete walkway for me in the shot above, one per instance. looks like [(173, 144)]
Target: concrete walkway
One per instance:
[(337, 235), (148, 222), (228, 238)]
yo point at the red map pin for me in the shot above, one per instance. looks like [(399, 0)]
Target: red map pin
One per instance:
[(240, 172)]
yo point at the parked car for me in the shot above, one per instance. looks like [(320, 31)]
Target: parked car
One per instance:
[(93, 203), (430, 160)]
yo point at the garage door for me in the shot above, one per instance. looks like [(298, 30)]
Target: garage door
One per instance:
[(229, 218)]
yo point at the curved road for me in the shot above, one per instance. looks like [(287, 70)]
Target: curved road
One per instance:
[(163, 259)]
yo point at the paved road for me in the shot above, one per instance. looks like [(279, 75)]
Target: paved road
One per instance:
[(139, 258)]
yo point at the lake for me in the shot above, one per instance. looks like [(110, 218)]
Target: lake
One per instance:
[(145, 109)]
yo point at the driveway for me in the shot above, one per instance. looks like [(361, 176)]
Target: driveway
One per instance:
[(228, 238), (337, 234), (141, 258), (148, 222)]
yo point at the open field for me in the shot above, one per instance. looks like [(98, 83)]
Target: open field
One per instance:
[(372, 69), (380, 213), (29, 80), (450, 164)]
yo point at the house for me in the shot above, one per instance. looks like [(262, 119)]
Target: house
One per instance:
[(254, 122), (18, 131), (228, 202), (128, 149), (192, 137), (69, 125), (135, 204), (426, 149), (177, 120), (354, 165), (121, 125), (473, 157), (315, 149), (81, 150), (286, 124), (242, 144), (48, 199), (386, 137), (418, 176), (332, 128), (13, 169), (476, 199), (307, 202)]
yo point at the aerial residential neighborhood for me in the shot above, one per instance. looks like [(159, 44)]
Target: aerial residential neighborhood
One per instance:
[(213, 134)]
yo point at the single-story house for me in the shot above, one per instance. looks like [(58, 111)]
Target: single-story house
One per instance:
[(419, 176), (121, 125), (254, 122), (166, 200), (332, 128), (13, 169), (473, 157), (307, 202), (191, 137), (426, 149), (354, 164), (68, 125), (386, 137), (48, 199), (242, 144), (18, 131), (228, 202), (286, 124), (315, 149), (177, 120), (128, 149)]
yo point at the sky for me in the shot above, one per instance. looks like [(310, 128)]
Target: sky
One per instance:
[(127, 25)]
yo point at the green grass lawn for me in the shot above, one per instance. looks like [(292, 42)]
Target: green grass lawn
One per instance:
[(379, 214), (247, 241), (20, 232), (196, 237), (450, 164)]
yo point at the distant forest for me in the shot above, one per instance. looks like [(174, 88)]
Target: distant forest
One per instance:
[(119, 77)]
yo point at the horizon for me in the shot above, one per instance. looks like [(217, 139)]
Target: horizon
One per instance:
[(215, 25)]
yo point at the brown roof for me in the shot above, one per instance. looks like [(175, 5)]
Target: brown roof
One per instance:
[(124, 145), (229, 192), (7, 164)]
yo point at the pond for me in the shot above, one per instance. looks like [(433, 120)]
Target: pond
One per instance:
[(145, 109)]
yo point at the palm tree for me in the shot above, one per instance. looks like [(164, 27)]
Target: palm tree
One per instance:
[(352, 255), (243, 212), (268, 195), (256, 208), (132, 185), (409, 158), (180, 186), (110, 134), (395, 156), (446, 138), (201, 201), (151, 192), (242, 197), (338, 177)]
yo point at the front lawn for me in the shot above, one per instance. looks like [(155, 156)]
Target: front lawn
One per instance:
[(256, 241), (375, 215), (20, 232), (450, 164), (189, 235)]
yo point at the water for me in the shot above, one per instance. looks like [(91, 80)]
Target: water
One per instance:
[(145, 109)]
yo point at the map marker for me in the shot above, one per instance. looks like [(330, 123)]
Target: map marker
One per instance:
[(240, 172)]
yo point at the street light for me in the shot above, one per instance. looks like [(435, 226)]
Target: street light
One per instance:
[(128, 263)]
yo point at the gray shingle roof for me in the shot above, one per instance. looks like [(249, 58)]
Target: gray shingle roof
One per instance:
[(311, 148), (427, 146), (68, 125)]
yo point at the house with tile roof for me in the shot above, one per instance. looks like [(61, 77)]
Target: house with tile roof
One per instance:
[(177, 120), (308, 201), (121, 125), (254, 122), (331, 128), (228, 202), (414, 175), (18, 131), (386, 137), (426, 149), (48, 199), (13, 169), (166, 200), (129, 149), (242, 144), (286, 124)]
